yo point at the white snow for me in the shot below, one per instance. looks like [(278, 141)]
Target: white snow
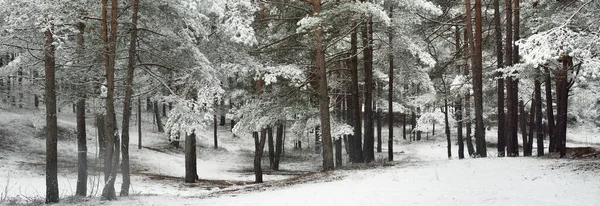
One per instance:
[(422, 175)]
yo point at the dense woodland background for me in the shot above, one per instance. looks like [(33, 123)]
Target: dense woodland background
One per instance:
[(495, 75)]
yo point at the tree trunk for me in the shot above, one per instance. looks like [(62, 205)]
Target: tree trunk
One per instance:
[(139, 119), (259, 145), (111, 159), (323, 92), (459, 130), (562, 100), (356, 155), (550, 113), (278, 146), (378, 118), (391, 91), (52, 195), (81, 133), (127, 101), (101, 130), (447, 128), (191, 173), (538, 117), (501, 115), (338, 152), (215, 127), (531, 127), (478, 83), (512, 149), (468, 55), (164, 110), (368, 147), (271, 147), (523, 125), (404, 126), (159, 125)]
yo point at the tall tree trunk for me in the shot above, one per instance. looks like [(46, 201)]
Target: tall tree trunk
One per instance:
[(550, 113), (278, 146), (191, 173), (259, 145), (469, 55), (478, 83), (355, 109), (52, 195), (368, 147), (562, 100), (391, 91), (499, 82), (512, 149), (108, 193), (81, 133), (458, 105), (271, 147), (127, 108), (523, 125), (159, 125), (323, 92)]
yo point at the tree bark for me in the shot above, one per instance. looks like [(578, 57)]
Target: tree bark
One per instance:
[(323, 92), (271, 147), (278, 146), (391, 91), (111, 159), (52, 195), (538, 117), (158, 118), (562, 100), (501, 115), (468, 55), (531, 126), (191, 173), (478, 83), (368, 146), (447, 127), (523, 125), (139, 119), (356, 155), (81, 133), (550, 113), (215, 127), (259, 145), (127, 108)]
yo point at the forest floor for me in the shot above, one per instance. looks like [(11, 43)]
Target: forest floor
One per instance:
[(420, 175)]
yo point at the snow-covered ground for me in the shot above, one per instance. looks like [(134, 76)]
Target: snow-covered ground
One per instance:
[(421, 175)]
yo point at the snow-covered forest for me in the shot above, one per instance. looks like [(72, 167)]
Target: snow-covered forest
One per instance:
[(300, 102)]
